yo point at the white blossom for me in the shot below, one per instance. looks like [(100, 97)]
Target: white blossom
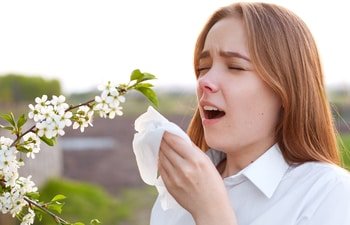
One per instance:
[(58, 129), (117, 96), (115, 110), (59, 103), (51, 117), (32, 143), (18, 203), (45, 129), (12, 202), (10, 176), (102, 105), (81, 124), (42, 101), (5, 141), (48, 113), (26, 185), (64, 119), (5, 202), (29, 218), (107, 88), (9, 165), (35, 112), (83, 118), (107, 105), (8, 156)]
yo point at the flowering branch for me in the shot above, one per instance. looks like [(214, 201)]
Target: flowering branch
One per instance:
[(18, 195), (32, 129), (56, 218)]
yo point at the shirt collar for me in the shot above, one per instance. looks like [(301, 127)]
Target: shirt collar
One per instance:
[(265, 173)]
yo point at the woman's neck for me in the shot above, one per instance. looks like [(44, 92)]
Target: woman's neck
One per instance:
[(238, 159)]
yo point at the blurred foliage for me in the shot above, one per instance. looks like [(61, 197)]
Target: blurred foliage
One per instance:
[(339, 95), (87, 201), (84, 202), (139, 201), (16, 88), (344, 145)]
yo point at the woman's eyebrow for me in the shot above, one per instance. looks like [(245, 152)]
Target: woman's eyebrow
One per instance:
[(225, 54), (228, 54)]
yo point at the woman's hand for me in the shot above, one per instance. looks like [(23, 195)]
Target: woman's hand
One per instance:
[(192, 179)]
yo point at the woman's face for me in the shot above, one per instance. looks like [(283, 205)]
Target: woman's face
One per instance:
[(237, 108)]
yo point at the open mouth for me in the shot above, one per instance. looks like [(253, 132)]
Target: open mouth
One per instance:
[(211, 112)]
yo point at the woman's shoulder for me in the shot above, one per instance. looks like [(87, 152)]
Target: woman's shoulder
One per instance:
[(321, 174), (322, 188)]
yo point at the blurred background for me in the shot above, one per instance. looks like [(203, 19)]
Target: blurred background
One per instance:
[(69, 47)]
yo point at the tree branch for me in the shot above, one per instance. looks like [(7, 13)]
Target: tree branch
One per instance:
[(77, 106), (57, 218)]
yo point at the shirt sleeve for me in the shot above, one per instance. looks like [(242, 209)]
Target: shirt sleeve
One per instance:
[(333, 209)]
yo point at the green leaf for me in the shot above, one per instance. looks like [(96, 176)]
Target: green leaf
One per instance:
[(150, 94), (140, 77), (21, 121), (147, 76), (95, 222), (58, 198), (146, 85), (49, 142), (23, 149), (13, 119), (33, 195), (56, 207), (136, 75), (7, 128), (8, 118)]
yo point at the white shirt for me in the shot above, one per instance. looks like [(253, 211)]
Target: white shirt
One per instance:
[(271, 192)]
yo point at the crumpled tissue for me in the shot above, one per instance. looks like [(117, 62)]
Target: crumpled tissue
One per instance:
[(150, 128)]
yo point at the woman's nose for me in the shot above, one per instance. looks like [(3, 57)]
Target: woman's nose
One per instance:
[(207, 84)]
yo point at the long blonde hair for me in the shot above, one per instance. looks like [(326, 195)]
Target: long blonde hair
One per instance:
[(285, 56)]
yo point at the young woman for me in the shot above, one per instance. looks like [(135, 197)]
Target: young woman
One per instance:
[(269, 152)]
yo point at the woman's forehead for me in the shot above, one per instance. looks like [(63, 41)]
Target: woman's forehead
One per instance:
[(227, 35)]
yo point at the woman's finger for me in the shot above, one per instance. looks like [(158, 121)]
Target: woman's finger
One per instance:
[(165, 168), (175, 159), (165, 162), (179, 145)]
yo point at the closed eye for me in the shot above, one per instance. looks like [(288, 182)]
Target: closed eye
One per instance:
[(202, 69), (235, 68)]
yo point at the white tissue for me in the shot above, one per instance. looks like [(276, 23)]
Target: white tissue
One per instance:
[(150, 127)]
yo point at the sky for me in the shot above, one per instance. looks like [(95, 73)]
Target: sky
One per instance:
[(84, 43)]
